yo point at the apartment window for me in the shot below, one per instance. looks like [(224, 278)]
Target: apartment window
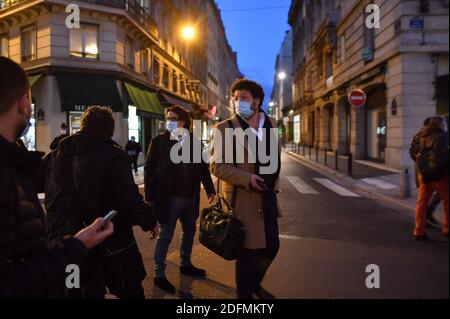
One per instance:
[(174, 81), (310, 80), (342, 43), (4, 45), (156, 71), (329, 64), (84, 41), (165, 78), (144, 61), (369, 42), (28, 41), (182, 85), (129, 53)]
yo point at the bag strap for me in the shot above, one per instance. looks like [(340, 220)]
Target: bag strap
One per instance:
[(234, 196)]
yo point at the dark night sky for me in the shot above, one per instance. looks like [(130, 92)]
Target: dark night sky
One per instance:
[(256, 34)]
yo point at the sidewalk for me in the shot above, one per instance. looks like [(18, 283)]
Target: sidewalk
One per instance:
[(373, 179)]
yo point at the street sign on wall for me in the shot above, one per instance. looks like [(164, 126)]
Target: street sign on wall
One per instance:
[(357, 98)]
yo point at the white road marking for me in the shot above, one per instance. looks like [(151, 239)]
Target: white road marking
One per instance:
[(335, 187), (379, 183), (290, 237), (301, 186)]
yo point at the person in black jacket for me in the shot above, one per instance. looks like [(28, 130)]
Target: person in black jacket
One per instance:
[(64, 132), (90, 176), (133, 150), (28, 267), (174, 191)]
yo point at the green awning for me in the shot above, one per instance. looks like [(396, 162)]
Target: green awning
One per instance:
[(34, 78), (144, 100)]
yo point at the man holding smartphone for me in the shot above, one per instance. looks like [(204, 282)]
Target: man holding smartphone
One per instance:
[(29, 268), (256, 185)]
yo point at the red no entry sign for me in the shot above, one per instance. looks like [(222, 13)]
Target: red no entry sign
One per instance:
[(357, 98)]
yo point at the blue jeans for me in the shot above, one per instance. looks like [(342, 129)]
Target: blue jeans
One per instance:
[(183, 209)]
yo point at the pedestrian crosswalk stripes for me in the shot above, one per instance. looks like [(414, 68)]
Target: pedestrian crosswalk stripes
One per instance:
[(301, 186), (379, 183), (335, 187), (304, 188)]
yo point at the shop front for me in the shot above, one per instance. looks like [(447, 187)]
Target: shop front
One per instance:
[(78, 92), (29, 140), (145, 114)]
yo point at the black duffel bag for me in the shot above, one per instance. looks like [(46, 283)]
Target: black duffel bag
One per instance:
[(221, 232)]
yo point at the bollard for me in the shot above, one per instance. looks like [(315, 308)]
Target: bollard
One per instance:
[(350, 164), (303, 150), (326, 160), (336, 160), (309, 151), (317, 153), (405, 183)]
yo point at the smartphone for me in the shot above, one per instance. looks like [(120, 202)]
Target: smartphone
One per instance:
[(263, 185), (109, 216)]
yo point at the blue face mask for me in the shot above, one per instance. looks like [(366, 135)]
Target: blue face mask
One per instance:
[(244, 109), (171, 126)]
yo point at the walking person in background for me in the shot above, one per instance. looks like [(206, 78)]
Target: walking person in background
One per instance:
[(174, 190), (430, 153), (435, 198), (256, 192), (64, 132), (133, 150)]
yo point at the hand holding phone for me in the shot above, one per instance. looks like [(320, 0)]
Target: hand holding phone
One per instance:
[(109, 217), (257, 183)]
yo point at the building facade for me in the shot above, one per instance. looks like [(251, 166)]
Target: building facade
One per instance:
[(402, 66), (127, 55), (281, 97), (222, 66)]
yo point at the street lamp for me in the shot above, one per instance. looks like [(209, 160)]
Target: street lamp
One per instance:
[(188, 33), (282, 75)]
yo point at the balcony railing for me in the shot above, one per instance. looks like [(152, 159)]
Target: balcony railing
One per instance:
[(138, 13), (131, 7), (6, 4)]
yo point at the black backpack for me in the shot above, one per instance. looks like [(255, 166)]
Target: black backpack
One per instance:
[(431, 164)]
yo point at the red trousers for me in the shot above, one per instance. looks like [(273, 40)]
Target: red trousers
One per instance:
[(425, 192)]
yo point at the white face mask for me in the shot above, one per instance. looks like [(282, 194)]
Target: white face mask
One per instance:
[(63, 132), (171, 125), (244, 109)]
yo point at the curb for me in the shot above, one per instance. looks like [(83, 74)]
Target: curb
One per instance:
[(350, 182)]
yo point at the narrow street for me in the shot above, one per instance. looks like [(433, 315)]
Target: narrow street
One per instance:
[(329, 235)]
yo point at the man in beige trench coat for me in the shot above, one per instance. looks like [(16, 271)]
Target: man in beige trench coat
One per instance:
[(255, 180)]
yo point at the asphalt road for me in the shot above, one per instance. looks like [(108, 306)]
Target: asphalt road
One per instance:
[(329, 235)]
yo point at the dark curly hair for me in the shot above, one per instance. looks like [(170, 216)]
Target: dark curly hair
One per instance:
[(98, 119), (254, 88)]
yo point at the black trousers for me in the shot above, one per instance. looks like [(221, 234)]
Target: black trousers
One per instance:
[(434, 202), (252, 265), (95, 282), (134, 160)]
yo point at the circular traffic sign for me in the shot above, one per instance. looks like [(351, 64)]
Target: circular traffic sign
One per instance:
[(357, 98)]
